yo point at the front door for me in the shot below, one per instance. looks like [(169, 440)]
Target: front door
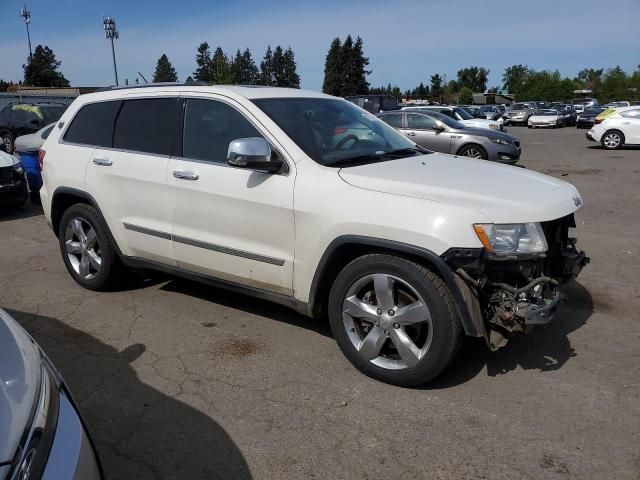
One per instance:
[(420, 130), (230, 223)]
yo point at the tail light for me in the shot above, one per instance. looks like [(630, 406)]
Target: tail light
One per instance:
[(339, 130), (41, 154)]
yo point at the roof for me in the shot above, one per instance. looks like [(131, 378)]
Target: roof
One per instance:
[(246, 91)]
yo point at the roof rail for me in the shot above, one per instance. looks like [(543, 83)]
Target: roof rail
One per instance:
[(158, 84)]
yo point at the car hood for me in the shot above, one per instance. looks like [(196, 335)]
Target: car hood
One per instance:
[(504, 194), (7, 160), (19, 383), (487, 133)]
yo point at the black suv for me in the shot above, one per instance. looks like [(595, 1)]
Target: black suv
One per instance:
[(24, 118)]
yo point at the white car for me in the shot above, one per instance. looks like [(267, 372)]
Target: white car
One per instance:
[(546, 118), (246, 188), (618, 129), (461, 115)]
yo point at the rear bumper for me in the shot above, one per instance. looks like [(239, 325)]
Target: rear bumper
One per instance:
[(14, 192)]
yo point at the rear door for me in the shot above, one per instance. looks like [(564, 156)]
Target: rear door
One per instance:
[(631, 126), (420, 129), (129, 179)]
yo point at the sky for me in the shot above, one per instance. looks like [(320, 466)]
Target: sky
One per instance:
[(406, 41)]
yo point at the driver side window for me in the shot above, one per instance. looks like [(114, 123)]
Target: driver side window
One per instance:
[(209, 127), (420, 122)]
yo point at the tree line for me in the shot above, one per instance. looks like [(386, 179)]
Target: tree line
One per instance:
[(277, 69)]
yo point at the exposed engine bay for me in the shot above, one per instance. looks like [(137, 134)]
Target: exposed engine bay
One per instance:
[(514, 293)]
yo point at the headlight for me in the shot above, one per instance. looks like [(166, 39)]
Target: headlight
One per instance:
[(512, 238), (493, 126), (18, 168), (501, 141)]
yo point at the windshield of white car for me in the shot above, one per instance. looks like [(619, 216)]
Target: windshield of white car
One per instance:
[(547, 112), (333, 131)]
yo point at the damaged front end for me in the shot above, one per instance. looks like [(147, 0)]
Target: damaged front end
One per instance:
[(514, 282)]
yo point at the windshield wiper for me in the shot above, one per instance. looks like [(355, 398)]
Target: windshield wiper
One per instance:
[(379, 156), (407, 151)]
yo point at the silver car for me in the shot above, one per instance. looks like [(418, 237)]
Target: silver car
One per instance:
[(519, 113), (438, 132), (41, 433)]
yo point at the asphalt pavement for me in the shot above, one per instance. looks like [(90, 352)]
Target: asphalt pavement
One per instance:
[(180, 380)]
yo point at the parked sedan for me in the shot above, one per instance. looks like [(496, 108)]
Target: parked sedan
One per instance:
[(520, 113), (492, 112), (618, 129), (461, 115), (438, 132), (586, 118), (13, 184), (42, 435), (546, 118)]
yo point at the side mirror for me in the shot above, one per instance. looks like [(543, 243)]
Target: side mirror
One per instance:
[(254, 154), (438, 126)]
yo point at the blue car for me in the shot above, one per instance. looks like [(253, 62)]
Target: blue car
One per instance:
[(26, 149)]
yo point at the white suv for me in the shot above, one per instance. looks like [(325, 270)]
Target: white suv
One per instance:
[(312, 202)]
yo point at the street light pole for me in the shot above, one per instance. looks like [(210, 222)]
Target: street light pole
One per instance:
[(112, 34), (26, 16)]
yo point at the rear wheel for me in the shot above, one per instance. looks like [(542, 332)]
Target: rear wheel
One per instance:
[(395, 320), (7, 142), (87, 249), (473, 151), (612, 139)]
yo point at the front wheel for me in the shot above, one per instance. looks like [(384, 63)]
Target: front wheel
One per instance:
[(395, 320), (6, 139), (473, 151)]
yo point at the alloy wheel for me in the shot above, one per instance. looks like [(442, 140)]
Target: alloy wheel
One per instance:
[(8, 145), (612, 140), (387, 321), (472, 153), (83, 248)]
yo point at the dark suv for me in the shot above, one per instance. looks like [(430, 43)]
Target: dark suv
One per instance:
[(24, 118)]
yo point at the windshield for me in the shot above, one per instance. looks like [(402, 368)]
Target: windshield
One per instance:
[(519, 106), (547, 112), (464, 115), (333, 130), (448, 121), (488, 108), (595, 110), (582, 101)]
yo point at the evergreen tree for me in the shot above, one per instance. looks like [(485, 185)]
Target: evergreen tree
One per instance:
[(251, 74), (41, 69), (291, 77), (164, 71), (204, 72), (236, 69), (358, 66), (347, 55), (278, 67), (436, 85), (3, 85), (266, 68), (221, 68), (333, 74)]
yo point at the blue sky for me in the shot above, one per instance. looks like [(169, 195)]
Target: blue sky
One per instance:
[(406, 40)]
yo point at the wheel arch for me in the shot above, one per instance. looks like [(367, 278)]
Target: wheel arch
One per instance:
[(471, 143), (346, 248)]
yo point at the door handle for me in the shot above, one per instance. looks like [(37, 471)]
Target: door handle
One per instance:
[(411, 134), (103, 162), (185, 175)]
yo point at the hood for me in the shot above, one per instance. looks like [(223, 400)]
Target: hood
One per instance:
[(487, 133), (19, 383), (7, 160), (504, 194)]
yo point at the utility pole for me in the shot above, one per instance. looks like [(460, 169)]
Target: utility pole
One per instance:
[(26, 16), (111, 33)]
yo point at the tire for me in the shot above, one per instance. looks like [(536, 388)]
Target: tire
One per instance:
[(427, 345), (7, 142), (86, 270), (530, 126), (609, 142), (468, 151)]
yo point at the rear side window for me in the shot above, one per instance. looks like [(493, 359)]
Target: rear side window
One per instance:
[(631, 114), (93, 124), (146, 125), (209, 127)]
